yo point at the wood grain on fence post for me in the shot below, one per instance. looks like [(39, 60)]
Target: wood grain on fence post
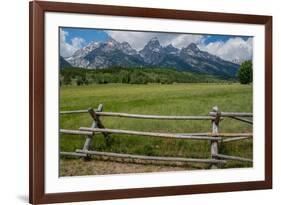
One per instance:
[(89, 139), (98, 121), (215, 130)]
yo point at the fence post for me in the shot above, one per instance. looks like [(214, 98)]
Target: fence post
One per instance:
[(215, 131), (89, 139), (99, 123)]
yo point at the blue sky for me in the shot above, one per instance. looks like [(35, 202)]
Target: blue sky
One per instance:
[(232, 48), (88, 35), (222, 38)]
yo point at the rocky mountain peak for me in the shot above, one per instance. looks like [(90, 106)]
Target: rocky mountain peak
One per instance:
[(154, 39), (170, 49), (170, 46), (153, 43), (152, 52), (126, 48), (111, 53), (111, 42), (191, 50), (110, 39), (193, 47)]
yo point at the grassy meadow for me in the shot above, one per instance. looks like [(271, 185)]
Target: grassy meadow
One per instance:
[(156, 99)]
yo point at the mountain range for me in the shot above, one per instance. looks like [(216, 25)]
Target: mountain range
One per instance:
[(111, 53)]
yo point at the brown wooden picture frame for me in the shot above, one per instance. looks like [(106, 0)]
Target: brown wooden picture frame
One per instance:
[(37, 95)]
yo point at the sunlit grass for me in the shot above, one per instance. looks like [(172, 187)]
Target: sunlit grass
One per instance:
[(174, 99)]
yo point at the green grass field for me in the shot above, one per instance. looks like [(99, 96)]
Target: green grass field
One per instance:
[(173, 99)]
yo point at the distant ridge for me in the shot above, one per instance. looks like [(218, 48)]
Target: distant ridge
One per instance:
[(103, 55)]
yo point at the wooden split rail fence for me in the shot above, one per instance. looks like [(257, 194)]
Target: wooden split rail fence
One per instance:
[(215, 116)]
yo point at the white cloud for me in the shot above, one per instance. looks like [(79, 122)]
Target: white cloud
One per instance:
[(183, 40), (235, 49), (78, 42), (67, 49), (139, 39)]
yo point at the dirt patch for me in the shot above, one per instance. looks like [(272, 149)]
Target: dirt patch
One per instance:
[(79, 167)]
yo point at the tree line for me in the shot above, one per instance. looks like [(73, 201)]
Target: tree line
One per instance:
[(82, 76)]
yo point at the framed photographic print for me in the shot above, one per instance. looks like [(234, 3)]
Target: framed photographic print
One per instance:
[(138, 102)]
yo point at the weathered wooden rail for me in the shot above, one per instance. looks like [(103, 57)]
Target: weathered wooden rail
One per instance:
[(156, 117), (215, 137)]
